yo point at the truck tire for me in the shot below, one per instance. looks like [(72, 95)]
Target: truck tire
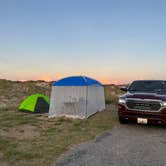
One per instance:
[(122, 120)]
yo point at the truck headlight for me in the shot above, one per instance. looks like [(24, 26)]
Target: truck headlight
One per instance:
[(163, 104), (122, 101)]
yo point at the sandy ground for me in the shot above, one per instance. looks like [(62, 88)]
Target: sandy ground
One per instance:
[(127, 145), (20, 132)]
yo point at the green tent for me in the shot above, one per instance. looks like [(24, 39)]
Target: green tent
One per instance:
[(37, 103)]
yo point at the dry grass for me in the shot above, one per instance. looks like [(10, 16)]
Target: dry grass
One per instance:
[(52, 136), (112, 94), (12, 93), (33, 139)]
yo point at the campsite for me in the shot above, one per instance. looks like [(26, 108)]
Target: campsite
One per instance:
[(82, 82), (36, 139), (30, 139)]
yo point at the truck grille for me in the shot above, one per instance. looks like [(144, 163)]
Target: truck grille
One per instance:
[(143, 105)]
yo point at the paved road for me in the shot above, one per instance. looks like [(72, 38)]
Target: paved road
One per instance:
[(125, 145)]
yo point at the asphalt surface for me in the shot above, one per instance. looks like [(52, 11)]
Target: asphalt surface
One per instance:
[(125, 145)]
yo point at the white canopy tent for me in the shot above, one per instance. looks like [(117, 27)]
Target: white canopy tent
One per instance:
[(77, 97)]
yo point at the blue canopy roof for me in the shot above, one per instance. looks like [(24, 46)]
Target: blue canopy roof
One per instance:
[(77, 81)]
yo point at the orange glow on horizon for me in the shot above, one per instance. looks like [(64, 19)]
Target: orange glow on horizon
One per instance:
[(45, 78), (103, 80), (112, 81)]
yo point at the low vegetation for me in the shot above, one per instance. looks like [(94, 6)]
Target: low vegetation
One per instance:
[(34, 139), (112, 93)]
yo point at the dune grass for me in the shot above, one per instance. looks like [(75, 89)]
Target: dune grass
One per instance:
[(32, 139), (112, 94), (54, 137)]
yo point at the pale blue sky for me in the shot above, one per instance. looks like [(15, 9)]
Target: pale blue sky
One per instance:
[(110, 40)]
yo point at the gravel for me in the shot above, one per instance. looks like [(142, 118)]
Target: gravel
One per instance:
[(128, 145)]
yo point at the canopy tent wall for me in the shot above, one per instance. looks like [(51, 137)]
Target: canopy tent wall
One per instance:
[(68, 101), (95, 100)]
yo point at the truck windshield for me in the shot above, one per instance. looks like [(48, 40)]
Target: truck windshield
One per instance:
[(148, 86)]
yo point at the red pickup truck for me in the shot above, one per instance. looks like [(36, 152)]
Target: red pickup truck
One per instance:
[(144, 102)]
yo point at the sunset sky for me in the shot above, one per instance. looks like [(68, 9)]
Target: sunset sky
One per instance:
[(113, 41)]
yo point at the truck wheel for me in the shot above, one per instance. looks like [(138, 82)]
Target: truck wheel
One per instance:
[(122, 120)]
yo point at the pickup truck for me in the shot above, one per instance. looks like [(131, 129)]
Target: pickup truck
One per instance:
[(144, 102)]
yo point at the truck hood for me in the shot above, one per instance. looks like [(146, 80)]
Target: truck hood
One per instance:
[(153, 96)]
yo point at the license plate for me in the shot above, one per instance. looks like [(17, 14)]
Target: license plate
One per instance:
[(142, 120)]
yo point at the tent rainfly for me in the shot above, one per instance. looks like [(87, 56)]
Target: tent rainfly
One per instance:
[(77, 97), (37, 103)]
